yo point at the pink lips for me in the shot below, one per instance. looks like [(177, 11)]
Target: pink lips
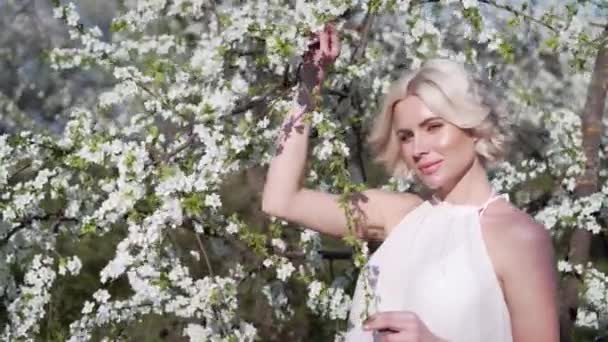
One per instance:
[(429, 168)]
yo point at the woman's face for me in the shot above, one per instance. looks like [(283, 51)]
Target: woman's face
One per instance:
[(439, 152)]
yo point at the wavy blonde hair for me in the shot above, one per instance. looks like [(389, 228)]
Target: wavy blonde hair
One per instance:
[(449, 91)]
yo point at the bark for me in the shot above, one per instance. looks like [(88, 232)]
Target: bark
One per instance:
[(354, 137), (587, 184)]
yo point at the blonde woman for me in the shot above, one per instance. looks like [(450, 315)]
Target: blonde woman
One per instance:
[(464, 265)]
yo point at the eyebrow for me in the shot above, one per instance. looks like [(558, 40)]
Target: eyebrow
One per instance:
[(422, 124)]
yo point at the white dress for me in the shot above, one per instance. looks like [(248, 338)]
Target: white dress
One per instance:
[(435, 263)]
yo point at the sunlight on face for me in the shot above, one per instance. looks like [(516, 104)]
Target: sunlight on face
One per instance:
[(436, 150)]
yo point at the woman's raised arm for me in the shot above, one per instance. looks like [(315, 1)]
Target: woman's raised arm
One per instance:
[(283, 194)]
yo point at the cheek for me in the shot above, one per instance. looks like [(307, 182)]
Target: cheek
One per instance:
[(454, 142)]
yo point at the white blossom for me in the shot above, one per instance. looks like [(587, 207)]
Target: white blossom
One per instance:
[(284, 270)]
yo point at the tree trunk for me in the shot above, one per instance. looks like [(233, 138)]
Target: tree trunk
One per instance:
[(587, 184)]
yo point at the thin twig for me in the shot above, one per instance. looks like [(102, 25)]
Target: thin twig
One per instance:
[(180, 148), (360, 49), (204, 251), (336, 92), (28, 221), (355, 57), (601, 25), (23, 168), (508, 8), (257, 100), (511, 9)]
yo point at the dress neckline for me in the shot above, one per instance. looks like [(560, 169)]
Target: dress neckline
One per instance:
[(435, 201)]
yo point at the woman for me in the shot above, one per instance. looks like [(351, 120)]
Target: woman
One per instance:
[(465, 265)]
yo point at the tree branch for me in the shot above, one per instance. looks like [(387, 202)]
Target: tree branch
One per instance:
[(204, 251), (180, 148), (12, 177), (587, 184), (355, 161), (511, 9), (27, 222), (367, 25)]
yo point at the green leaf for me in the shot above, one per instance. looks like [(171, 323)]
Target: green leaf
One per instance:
[(474, 17), (578, 63), (88, 228), (62, 261), (163, 281), (552, 43), (148, 204), (256, 241), (275, 229), (153, 132), (374, 6), (507, 52), (167, 172), (513, 22), (284, 48), (224, 19), (118, 26), (76, 162), (193, 204), (130, 160)]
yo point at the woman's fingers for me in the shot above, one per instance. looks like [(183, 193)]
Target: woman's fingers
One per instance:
[(324, 45), (395, 337), (334, 41), (390, 320), (323, 48)]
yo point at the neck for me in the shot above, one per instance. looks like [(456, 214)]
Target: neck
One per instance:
[(473, 188)]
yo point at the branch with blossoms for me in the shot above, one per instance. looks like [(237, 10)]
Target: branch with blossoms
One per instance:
[(57, 218)]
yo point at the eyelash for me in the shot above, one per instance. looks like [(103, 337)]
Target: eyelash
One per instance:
[(434, 126), (431, 127)]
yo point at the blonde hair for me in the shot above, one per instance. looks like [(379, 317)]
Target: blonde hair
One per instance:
[(448, 90)]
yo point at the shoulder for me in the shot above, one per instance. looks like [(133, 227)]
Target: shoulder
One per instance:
[(513, 237), (517, 228), (528, 273)]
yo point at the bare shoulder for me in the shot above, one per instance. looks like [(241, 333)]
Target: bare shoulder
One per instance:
[(514, 226), (512, 234), (394, 205)]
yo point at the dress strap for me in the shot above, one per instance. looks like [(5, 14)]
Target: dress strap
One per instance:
[(493, 197)]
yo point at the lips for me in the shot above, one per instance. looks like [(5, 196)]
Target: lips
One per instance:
[(430, 167)]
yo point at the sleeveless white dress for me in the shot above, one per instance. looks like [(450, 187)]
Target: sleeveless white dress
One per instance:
[(435, 263)]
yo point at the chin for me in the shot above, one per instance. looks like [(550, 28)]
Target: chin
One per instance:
[(431, 182)]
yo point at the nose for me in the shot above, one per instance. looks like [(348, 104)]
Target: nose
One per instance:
[(420, 146)]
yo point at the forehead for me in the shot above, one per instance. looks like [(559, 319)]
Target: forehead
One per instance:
[(411, 112)]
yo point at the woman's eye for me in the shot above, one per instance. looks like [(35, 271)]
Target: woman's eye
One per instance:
[(434, 127), (404, 138)]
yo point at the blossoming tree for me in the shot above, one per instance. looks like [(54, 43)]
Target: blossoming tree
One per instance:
[(141, 178)]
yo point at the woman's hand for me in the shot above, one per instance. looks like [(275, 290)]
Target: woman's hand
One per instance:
[(399, 326), (323, 50)]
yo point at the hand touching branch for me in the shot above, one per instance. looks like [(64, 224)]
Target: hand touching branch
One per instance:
[(323, 50)]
